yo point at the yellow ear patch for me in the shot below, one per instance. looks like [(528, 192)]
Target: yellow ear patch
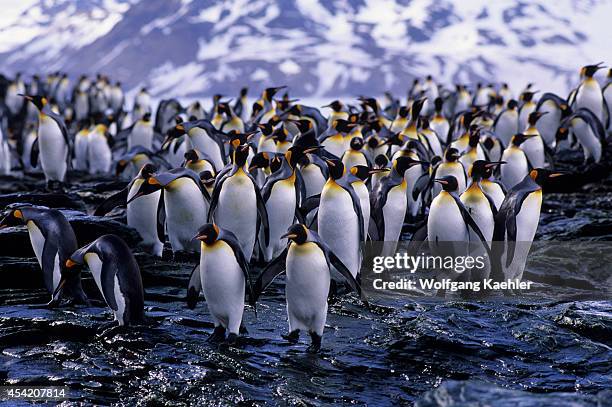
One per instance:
[(17, 213), (70, 263), (153, 181)]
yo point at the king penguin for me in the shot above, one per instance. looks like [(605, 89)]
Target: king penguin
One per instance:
[(517, 165), (53, 241), (589, 94), (223, 276), (116, 274), (309, 262)]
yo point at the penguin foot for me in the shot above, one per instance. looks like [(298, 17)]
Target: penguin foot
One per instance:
[(292, 337), (217, 336), (315, 345)]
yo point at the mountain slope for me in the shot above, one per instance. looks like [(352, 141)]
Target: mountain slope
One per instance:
[(318, 48)]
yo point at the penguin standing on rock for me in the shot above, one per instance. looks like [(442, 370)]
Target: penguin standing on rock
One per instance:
[(52, 141), (223, 275), (116, 274), (309, 263), (53, 241)]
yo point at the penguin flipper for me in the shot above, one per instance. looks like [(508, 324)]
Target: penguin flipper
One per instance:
[(467, 218), (263, 213), (117, 199), (34, 151), (214, 200), (269, 273), (232, 241), (161, 218), (344, 183), (194, 287), (309, 204), (109, 271), (50, 251), (420, 186), (338, 265)]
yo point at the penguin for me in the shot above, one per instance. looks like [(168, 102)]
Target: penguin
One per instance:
[(282, 193), (31, 134), (534, 147), (375, 145), (241, 107), (81, 142), (473, 151), (202, 136), (185, 203), (380, 162), (142, 133), (208, 180), (130, 163), (116, 274), (357, 177), (439, 123), (237, 204), (223, 276), (233, 121), (433, 141), (491, 187), (266, 143), (589, 132), (401, 120), (463, 100), (142, 102), (517, 164), (333, 139), (53, 241), (506, 123), (81, 105), (589, 95), (354, 155), (554, 109), (142, 211), (449, 223), (607, 98), (99, 154), (340, 217), (52, 141), (389, 202), (528, 107), (117, 97), (339, 111), (195, 109), (281, 137), (308, 262), (449, 166), (516, 223), (198, 162), (492, 147)]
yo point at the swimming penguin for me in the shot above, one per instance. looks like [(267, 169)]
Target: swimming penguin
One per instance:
[(517, 165), (516, 224), (354, 155), (185, 203), (142, 133), (116, 274), (589, 132), (223, 276), (506, 123), (237, 204), (589, 95), (340, 218), (52, 142), (142, 211), (53, 241), (449, 166), (389, 202), (309, 262)]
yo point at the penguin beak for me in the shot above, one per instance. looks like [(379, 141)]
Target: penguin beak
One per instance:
[(441, 181), (556, 174), (200, 237), (377, 170), (330, 163), (28, 97), (494, 164), (312, 149), (136, 195), (289, 236)]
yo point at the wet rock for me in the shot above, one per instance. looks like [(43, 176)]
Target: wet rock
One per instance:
[(51, 200)]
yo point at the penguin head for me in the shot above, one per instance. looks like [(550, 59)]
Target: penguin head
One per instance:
[(336, 168), (269, 93), (512, 104), (424, 123), (448, 182), (481, 169), (438, 103), (451, 154), (150, 184), (38, 100), (191, 157), (535, 116), (356, 143), (343, 126), (244, 91), (14, 217), (280, 135), (561, 133), (372, 142), (146, 117), (207, 178), (381, 161), (256, 108), (260, 160), (240, 154), (541, 175), (208, 234), (303, 125), (266, 128), (474, 138), (589, 70), (403, 163), (297, 233), (403, 112), (363, 172), (435, 160), (527, 96), (147, 170), (295, 154), (336, 106), (416, 107), (519, 139)]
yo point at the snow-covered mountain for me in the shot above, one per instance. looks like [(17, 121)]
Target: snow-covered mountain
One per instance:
[(319, 48)]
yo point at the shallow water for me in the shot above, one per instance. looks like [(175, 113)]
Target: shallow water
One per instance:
[(532, 350)]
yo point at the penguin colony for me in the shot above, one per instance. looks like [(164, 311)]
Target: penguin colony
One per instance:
[(278, 184)]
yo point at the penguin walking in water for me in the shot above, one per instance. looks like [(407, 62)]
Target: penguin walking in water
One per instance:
[(116, 274), (223, 276), (53, 241), (142, 211), (52, 142), (237, 204), (516, 223), (517, 165), (185, 203), (389, 203), (309, 262), (340, 218)]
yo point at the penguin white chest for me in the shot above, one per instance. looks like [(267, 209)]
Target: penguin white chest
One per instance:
[(223, 284), (186, 211), (281, 209), (307, 287), (98, 153), (528, 218), (313, 179), (53, 149), (142, 216), (445, 223), (393, 212), (94, 263)]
